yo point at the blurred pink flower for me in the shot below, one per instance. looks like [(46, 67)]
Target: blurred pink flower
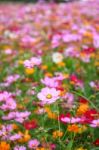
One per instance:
[(33, 144), (34, 61), (19, 147), (95, 123)]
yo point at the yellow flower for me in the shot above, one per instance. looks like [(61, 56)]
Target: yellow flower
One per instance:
[(20, 62), (29, 71), (97, 64), (57, 134), (4, 146)]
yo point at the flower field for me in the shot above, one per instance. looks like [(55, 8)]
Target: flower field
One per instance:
[(49, 76)]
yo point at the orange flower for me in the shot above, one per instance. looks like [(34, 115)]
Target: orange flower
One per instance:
[(44, 67), (25, 137), (61, 64), (4, 146), (15, 127), (57, 134), (48, 74), (73, 128), (82, 109), (66, 75), (42, 148), (52, 115)]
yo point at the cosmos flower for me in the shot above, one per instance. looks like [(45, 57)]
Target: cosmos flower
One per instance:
[(95, 123), (48, 95), (33, 144), (19, 147), (57, 57), (15, 137), (34, 61), (50, 82)]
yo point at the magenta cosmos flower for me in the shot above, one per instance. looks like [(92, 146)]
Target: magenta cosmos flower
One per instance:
[(48, 95)]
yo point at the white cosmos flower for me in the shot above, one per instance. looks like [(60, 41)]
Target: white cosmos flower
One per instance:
[(57, 57)]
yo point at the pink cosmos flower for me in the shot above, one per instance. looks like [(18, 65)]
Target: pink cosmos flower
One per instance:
[(48, 95), (50, 82), (71, 37), (34, 61), (32, 144), (70, 120), (95, 123), (96, 40), (94, 84), (6, 131), (12, 78), (8, 51), (71, 52), (8, 103), (56, 40), (15, 137), (19, 148), (17, 116), (5, 95), (53, 82)]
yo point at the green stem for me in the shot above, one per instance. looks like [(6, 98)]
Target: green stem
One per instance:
[(86, 99)]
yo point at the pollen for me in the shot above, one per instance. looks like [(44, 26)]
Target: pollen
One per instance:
[(49, 96)]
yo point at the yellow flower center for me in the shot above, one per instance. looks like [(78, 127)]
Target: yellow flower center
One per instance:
[(49, 96)]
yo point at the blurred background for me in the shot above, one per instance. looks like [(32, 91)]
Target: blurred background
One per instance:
[(40, 0)]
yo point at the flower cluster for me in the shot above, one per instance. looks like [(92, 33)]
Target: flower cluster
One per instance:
[(49, 76)]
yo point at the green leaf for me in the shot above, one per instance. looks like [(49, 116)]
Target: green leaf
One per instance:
[(69, 146)]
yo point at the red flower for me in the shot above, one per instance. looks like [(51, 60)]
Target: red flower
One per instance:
[(96, 142), (83, 100), (89, 116), (60, 88), (88, 50), (74, 78), (91, 113), (30, 124)]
